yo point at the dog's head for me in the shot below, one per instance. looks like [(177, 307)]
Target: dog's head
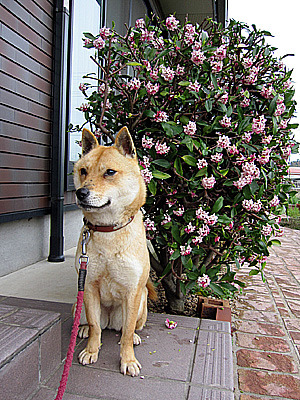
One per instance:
[(109, 186)]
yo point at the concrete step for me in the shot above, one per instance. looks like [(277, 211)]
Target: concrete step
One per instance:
[(30, 349)]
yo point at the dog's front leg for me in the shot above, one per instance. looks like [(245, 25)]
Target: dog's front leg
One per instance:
[(129, 364), (92, 308)]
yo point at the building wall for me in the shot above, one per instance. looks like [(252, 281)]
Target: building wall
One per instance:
[(26, 83)]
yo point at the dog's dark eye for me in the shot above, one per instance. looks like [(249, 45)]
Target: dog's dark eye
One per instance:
[(110, 172), (83, 171)]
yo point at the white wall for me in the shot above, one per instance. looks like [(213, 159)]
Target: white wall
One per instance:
[(26, 242)]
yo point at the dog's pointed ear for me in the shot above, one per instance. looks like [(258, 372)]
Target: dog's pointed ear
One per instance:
[(124, 143), (89, 141)]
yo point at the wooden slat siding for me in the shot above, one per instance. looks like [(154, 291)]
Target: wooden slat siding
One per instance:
[(18, 26), (30, 20), (16, 190), (23, 176), (22, 44), (26, 204), (11, 53), (27, 134), (13, 85), (9, 145), (13, 100), (25, 112)]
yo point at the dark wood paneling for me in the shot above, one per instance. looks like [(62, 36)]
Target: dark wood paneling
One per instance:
[(20, 58), (20, 132), (24, 75), (25, 31), (21, 118), (16, 190), (11, 84), (30, 203), (10, 145), (23, 176), (26, 47), (18, 161), (15, 101), (22, 14)]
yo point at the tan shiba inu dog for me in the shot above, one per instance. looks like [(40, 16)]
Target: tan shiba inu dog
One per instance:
[(110, 191)]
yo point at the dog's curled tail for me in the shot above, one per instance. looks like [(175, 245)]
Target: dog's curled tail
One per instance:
[(151, 290)]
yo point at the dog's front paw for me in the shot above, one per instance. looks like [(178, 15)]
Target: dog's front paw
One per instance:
[(136, 339), (131, 367), (83, 331), (85, 357)]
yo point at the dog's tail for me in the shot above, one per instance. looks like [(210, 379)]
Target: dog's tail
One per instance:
[(151, 290)]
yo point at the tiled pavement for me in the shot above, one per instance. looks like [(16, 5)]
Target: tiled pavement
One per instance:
[(266, 327), (194, 360)]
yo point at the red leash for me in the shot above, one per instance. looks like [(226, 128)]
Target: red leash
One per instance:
[(83, 261)]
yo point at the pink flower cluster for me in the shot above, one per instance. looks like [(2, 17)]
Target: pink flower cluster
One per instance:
[(190, 33), (274, 202), (225, 122), (185, 250), (266, 230), (190, 128), (205, 217), (99, 43), (170, 324), (172, 23), (162, 148), (152, 88), (264, 157), (105, 33), (223, 142), (218, 157), (197, 57), (250, 172), (179, 212), (259, 124), (203, 281), (149, 225), (134, 84), (147, 143), (190, 228), (267, 91), (147, 175), (167, 73), (166, 219), (252, 76), (201, 163), (161, 116), (194, 87), (220, 53), (251, 205), (208, 183)]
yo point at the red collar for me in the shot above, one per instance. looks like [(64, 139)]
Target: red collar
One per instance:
[(105, 228)]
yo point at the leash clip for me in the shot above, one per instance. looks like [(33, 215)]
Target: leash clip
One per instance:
[(85, 239)]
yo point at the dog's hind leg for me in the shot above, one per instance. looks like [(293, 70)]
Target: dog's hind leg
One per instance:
[(92, 308)]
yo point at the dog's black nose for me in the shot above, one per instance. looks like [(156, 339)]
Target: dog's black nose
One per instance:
[(82, 193)]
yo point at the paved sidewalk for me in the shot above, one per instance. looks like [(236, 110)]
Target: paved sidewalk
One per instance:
[(266, 327)]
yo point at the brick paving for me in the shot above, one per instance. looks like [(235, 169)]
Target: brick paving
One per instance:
[(266, 327)]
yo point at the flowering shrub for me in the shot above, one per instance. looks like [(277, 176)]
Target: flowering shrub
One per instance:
[(209, 109)]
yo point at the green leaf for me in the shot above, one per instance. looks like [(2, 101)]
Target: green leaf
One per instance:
[(218, 205), (184, 119), (201, 172), (167, 128), (178, 166), (152, 186), (274, 242), (208, 105), (89, 36), (254, 272), (134, 64), (160, 175), (217, 289), (184, 83), (214, 81), (176, 233), (162, 163), (190, 160), (175, 255), (223, 219)]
